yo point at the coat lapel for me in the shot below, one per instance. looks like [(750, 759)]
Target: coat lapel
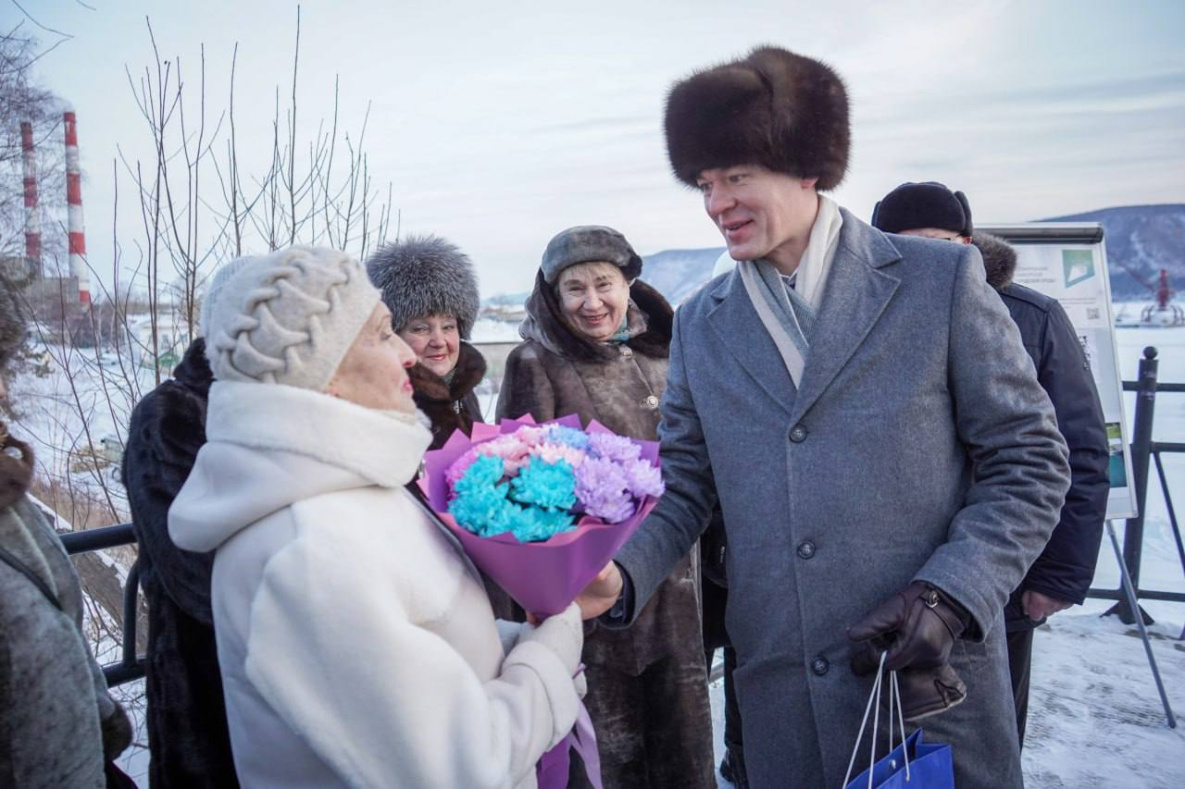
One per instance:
[(738, 326), (856, 295)]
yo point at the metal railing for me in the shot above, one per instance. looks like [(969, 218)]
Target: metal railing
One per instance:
[(1144, 450), (130, 665)]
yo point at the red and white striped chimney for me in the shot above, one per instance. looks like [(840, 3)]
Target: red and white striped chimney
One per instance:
[(32, 207), (74, 206)]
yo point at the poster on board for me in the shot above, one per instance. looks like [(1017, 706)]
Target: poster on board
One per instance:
[(1068, 262)]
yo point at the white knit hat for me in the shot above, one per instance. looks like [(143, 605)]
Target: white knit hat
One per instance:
[(288, 317), (214, 286)]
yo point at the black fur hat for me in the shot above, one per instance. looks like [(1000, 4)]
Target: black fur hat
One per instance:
[(426, 275), (928, 204), (786, 112), (12, 323)]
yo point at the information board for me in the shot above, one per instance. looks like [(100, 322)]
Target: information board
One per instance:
[(1068, 262)]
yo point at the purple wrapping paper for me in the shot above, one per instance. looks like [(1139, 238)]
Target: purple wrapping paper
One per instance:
[(543, 577)]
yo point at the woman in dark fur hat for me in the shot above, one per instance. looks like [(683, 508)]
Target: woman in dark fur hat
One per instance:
[(58, 724), (431, 290), (596, 344)]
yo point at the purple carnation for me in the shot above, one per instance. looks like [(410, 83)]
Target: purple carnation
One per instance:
[(643, 478), (603, 489), (614, 447)]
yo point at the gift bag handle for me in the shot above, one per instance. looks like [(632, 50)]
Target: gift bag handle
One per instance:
[(875, 698)]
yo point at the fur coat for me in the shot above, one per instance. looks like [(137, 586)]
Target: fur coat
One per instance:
[(450, 405), (356, 643), (647, 685), (58, 724), (187, 732)]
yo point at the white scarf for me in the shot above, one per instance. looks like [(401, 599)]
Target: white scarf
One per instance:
[(819, 254)]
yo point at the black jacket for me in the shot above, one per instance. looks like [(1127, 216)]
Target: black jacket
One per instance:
[(187, 731), (1066, 566)]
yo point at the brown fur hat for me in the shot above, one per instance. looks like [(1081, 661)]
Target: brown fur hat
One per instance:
[(774, 108)]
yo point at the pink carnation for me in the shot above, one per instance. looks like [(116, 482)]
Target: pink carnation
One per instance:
[(531, 436), (553, 453), (514, 453)]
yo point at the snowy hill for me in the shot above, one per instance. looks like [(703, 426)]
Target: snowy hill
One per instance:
[(676, 273), (1139, 238), (1142, 239)]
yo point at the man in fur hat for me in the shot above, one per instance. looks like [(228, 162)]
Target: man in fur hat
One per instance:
[(1062, 573), (884, 483)]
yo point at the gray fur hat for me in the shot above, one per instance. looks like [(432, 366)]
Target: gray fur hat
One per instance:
[(426, 275), (12, 323), (774, 108), (589, 244)]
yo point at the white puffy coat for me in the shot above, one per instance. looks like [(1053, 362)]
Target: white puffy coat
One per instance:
[(357, 645)]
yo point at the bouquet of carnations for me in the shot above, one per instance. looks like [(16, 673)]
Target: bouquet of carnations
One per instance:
[(541, 508)]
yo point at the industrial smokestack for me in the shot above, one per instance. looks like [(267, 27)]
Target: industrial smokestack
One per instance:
[(74, 206), (32, 207)]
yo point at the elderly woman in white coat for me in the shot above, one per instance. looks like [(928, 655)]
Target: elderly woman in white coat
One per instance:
[(357, 645)]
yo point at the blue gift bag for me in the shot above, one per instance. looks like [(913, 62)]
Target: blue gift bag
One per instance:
[(930, 767), (913, 764)]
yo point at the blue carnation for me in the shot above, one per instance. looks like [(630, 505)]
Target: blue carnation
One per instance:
[(569, 436), (547, 485), (531, 524)]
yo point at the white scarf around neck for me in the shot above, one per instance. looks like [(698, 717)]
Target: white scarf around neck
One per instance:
[(815, 265)]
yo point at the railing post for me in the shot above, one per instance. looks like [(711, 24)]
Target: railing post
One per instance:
[(1141, 449)]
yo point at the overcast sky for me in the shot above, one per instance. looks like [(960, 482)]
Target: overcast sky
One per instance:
[(499, 124)]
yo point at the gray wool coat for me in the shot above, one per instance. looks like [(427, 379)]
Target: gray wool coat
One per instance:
[(908, 453), (57, 722)]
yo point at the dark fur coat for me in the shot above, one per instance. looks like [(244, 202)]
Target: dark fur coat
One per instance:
[(648, 684), (187, 730), (450, 405)]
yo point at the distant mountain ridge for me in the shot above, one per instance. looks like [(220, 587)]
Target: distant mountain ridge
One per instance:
[(1140, 240)]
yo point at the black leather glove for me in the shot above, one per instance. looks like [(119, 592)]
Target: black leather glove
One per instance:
[(917, 626)]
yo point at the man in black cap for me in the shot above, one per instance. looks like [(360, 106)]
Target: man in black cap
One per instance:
[(884, 483), (1062, 573)]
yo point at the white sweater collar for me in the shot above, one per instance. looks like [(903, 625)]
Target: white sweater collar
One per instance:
[(383, 447)]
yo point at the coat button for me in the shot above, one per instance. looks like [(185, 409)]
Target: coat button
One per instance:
[(651, 402), (626, 352), (820, 666), (798, 434), (806, 549)]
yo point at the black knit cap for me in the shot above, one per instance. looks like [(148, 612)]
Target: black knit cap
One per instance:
[(912, 206)]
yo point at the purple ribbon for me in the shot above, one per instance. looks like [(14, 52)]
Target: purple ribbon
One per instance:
[(552, 770)]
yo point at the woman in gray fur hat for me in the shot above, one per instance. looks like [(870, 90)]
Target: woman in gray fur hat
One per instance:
[(431, 290), (58, 724)]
